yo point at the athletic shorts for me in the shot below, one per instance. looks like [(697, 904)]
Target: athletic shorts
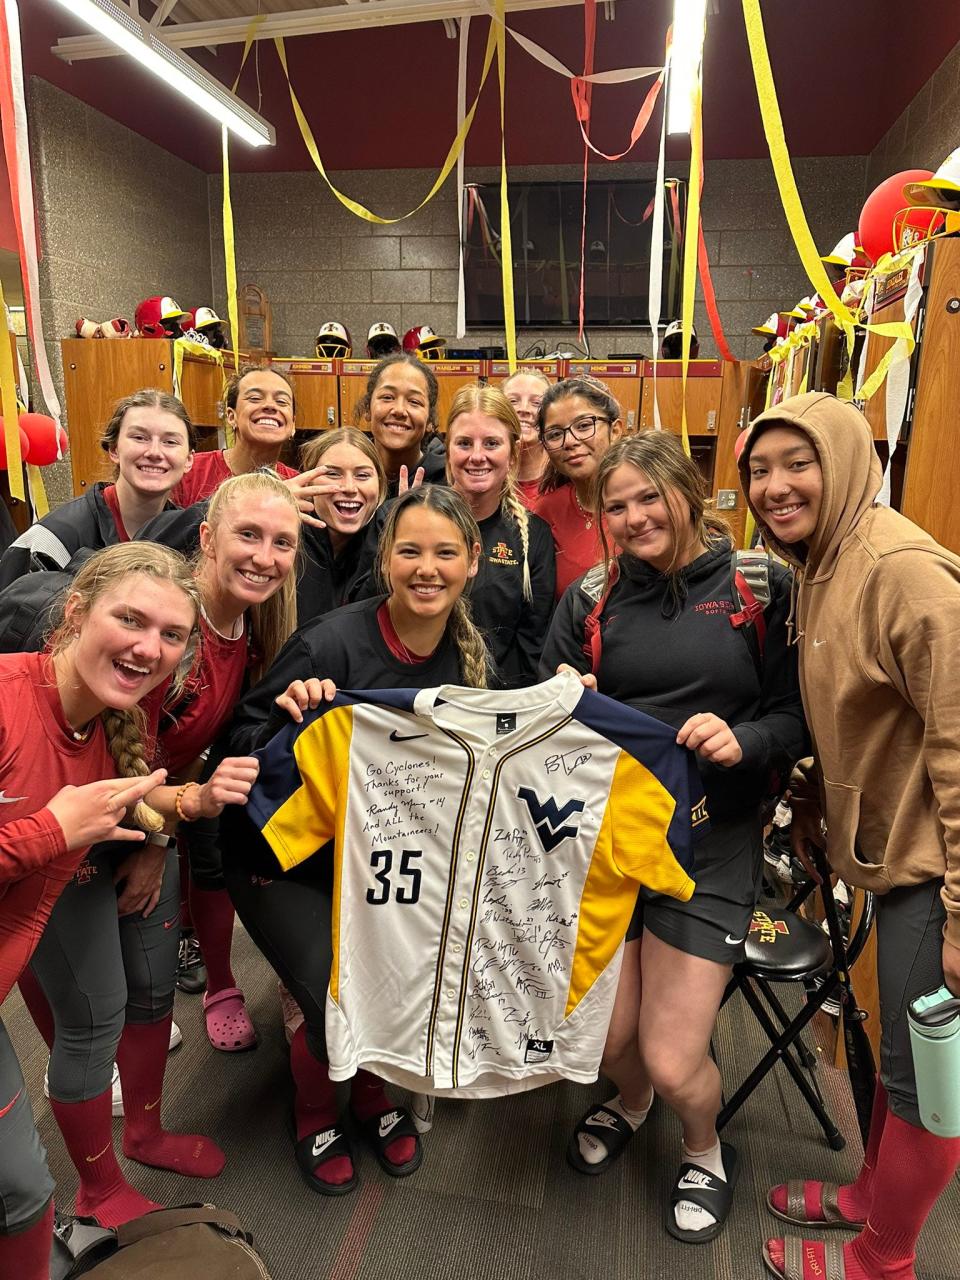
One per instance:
[(909, 964), (728, 870), (25, 1183)]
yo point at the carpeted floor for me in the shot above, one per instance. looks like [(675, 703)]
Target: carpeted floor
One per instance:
[(494, 1198)]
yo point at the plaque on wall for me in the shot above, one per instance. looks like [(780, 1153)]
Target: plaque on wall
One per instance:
[(255, 321)]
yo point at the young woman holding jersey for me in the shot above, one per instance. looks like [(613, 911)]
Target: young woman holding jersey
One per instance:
[(419, 634), (106, 964), (68, 727), (652, 628), (525, 391), (878, 613), (579, 419), (151, 441)]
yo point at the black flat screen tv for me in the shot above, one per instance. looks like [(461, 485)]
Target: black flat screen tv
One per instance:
[(545, 224)]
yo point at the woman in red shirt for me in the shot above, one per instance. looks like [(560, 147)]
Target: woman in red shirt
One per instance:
[(68, 726), (107, 961), (525, 390), (579, 419)]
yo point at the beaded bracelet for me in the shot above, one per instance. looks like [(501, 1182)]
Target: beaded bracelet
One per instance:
[(178, 803)]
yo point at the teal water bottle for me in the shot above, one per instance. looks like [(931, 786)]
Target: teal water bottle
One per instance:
[(935, 1039)]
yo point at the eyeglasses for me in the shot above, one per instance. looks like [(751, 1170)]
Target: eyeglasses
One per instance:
[(582, 429)]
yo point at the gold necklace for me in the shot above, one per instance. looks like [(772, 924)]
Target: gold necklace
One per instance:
[(81, 735), (588, 516)]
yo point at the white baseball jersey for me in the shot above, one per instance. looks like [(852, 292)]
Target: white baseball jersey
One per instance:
[(488, 851)]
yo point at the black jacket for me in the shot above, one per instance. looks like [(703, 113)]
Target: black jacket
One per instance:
[(434, 463), (673, 657), (52, 542), (347, 647)]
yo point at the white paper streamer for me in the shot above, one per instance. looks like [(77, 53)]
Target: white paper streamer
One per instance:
[(655, 295), (461, 115)]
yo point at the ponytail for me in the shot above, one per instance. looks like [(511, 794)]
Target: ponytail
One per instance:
[(474, 654)]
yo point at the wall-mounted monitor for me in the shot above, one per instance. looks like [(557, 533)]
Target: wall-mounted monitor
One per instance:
[(546, 223)]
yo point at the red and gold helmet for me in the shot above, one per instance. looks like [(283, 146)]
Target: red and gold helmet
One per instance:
[(422, 342)]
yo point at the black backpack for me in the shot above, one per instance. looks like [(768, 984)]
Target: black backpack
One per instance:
[(750, 585), (168, 1244)]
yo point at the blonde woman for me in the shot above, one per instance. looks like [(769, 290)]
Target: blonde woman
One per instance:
[(68, 728), (525, 390), (106, 964), (512, 598)]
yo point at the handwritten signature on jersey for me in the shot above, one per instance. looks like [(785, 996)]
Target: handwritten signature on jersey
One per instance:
[(569, 762)]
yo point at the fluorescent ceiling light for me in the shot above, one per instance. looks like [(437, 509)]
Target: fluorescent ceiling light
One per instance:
[(136, 37), (689, 19)]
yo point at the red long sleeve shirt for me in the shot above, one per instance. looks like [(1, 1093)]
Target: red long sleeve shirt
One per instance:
[(38, 756)]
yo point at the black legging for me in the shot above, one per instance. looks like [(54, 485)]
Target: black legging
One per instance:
[(99, 970), (289, 920)]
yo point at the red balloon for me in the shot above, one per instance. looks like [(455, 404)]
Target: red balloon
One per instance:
[(42, 434), (24, 447), (882, 206)]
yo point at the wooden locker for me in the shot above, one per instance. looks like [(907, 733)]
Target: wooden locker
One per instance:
[(316, 389), (704, 393), (623, 377)]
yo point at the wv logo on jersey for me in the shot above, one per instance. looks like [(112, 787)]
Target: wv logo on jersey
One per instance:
[(549, 820)]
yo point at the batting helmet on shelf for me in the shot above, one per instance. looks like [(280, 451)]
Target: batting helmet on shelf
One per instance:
[(333, 341), (382, 340), (207, 323), (160, 317), (421, 341), (671, 348), (942, 189)]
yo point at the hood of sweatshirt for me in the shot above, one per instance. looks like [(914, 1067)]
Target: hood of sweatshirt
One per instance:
[(852, 475)]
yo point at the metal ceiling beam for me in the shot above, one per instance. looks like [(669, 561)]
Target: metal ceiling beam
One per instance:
[(305, 22), (163, 11)]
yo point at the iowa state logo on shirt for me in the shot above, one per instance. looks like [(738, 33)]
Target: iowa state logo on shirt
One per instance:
[(500, 553)]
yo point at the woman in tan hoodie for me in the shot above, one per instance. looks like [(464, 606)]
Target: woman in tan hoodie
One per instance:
[(877, 621)]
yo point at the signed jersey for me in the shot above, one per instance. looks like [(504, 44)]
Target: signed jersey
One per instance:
[(488, 851)]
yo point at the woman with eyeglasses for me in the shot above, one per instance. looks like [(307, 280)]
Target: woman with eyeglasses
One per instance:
[(578, 421), (525, 391)]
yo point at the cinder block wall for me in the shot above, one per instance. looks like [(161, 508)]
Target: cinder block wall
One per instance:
[(317, 261)]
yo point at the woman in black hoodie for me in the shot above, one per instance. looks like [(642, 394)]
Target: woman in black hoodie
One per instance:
[(660, 629)]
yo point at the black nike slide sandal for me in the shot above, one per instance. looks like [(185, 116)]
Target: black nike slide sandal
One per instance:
[(378, 1131), (699, 1186), (606, 1126), (314, 1150)]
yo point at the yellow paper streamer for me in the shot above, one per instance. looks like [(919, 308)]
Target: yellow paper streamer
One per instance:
[(506, 241), (11, 409), (181, 346), (691, 239), (455, 147), (787, 186)]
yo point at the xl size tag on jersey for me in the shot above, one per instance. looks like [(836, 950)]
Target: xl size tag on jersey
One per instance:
[(506, 721), (538, 1050)]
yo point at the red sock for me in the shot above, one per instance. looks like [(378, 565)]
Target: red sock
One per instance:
[(142, 1059), (315, 1105), (26, 1255), (912, 1169), (212, 913), (853, 1199), (104, 1193), (367, 1097), (38, 1005)]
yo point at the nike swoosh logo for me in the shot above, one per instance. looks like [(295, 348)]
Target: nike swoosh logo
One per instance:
[(734, 942), (818, 643), (11, 1104), (168, 924), (388, 1128), (151, 1106), (93, 1159), (684, 1185), (405, 737), (319, 1147), (5, 799)]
